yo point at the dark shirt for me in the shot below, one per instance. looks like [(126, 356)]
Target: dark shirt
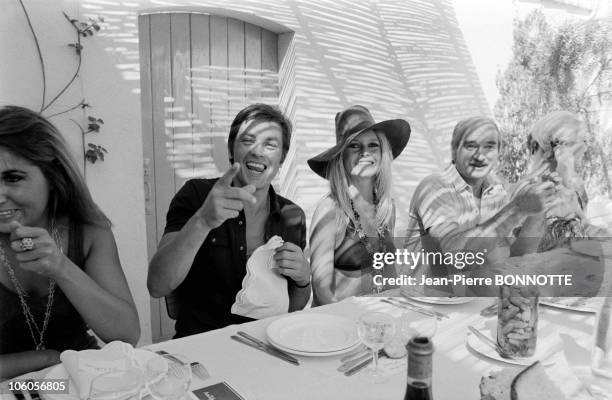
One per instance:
[(206, 295), (66, 329)]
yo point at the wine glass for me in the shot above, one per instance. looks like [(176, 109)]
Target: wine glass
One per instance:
[(375, 329), (125, 384), (169, 377)]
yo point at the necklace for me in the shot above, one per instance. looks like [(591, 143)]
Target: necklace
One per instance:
[(380, 232), (363, 238), (31, 322)]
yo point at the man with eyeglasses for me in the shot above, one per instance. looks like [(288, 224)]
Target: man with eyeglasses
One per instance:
[(465, 208)]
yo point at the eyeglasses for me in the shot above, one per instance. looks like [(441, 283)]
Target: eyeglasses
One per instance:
[(567, 143)]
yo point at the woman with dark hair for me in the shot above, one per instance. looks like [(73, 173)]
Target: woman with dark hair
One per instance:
[(60, 272), (356, 219)]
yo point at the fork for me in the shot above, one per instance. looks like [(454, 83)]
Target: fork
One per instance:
[(413, 307), (489, 311), (196, 368), (406, 302)]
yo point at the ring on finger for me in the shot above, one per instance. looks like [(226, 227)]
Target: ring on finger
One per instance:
[(27, 244)]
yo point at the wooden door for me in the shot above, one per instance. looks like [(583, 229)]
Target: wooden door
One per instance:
[(197, 72)]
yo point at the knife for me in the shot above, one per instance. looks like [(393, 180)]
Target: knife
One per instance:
[(405, 301), (356, 361), (265, 350), (267, 346), (487, 340), (358, 367), (357, 353), (411, 307)]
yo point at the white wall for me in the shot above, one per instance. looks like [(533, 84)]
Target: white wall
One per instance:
[(404, 59), (116, 184)]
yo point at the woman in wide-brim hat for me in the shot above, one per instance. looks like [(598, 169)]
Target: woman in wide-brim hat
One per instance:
[(356, 219)]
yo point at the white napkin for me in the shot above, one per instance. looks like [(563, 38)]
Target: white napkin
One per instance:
[(84, 366), (264, 290)]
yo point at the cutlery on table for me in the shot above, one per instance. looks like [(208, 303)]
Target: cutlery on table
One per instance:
[(489, 311), (358, 367), (356, 353), (490, 342), (267, 346), (196, 368), (266, 349), (406, 301), (347, 365), (413, 307)]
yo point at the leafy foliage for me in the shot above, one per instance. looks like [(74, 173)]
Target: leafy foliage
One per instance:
[(95, 153), (568, 67), (82, 30)]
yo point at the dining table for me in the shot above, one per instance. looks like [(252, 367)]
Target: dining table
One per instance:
[(457, 368)]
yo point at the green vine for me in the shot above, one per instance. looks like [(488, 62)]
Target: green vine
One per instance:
[(91, 152)]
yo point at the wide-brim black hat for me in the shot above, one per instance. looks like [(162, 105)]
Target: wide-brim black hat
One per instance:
[(354, 121)]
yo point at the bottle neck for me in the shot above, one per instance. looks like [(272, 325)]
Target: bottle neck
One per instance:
[(419, 382), (418, 391)]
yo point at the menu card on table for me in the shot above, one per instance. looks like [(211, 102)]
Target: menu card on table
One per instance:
[(218, 391)]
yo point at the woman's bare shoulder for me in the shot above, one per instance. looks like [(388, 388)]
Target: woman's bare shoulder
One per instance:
[(96, 236)]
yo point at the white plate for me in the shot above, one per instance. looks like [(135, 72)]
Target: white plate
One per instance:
[(313, 333), (547, 348), (316, 353), (59, 372), (581, 304), (442, 300)]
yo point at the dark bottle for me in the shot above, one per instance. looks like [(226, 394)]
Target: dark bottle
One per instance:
[(418, 386)]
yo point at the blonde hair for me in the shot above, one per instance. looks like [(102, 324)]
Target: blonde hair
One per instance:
[(339, 182)]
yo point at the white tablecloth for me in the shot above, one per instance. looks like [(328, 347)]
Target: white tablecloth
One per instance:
[(457, 369)]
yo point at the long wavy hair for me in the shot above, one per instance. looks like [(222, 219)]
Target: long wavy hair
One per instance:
[(339, 182), (31, 136)]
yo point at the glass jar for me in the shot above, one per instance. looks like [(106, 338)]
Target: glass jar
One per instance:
[(517, 321)]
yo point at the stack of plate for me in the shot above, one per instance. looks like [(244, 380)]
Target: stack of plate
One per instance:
[(313, 334)]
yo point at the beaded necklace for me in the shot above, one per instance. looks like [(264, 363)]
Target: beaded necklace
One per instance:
[(31, 322), (363, 238), (380, 232)]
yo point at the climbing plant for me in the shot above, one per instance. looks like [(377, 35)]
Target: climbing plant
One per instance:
[(87, 123)]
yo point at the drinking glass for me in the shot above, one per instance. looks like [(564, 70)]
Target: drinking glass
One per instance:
[(169, 377), (118, 385), (375, 329), (517, 321)]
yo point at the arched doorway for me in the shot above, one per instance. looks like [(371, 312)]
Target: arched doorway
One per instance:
[(197, 71)]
